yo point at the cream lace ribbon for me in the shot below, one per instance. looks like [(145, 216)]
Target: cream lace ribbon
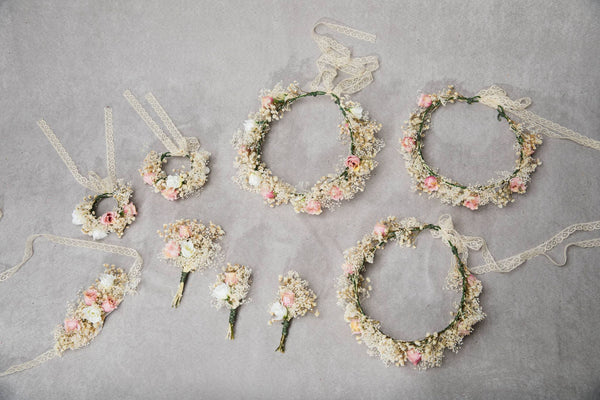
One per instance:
[(495, 96), (182, 145), (93, 182), (463, 243), (337, 57), (134, 274)]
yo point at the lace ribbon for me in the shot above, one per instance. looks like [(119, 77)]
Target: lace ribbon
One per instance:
[(134, 274), (93, 182), (496, 96), (182, 145), (337, 57), (463, 243)]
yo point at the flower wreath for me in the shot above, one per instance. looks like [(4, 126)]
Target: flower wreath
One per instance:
[(428, 351), (426, 179), (181, 183), (111, 221), (230, 291), (357, 129)]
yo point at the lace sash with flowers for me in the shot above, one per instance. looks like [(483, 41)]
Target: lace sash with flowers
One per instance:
[(130, 282)]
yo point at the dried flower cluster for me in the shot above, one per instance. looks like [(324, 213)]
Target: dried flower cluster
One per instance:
[(230, 291), (86, 319), (356, 129), (423, 353), (112, 221), (294, 299), (426, 179), (181, 183), (190, 246)]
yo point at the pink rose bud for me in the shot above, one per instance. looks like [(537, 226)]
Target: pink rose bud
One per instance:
[(171, 250), (463, 330), (184, 231), (313, 207), (149, 178), (243, 150), (266, 192), (408, 144), (424, 101), (355, 326), (90, 296), (130, 209), (413, 356), (430, 184), (108, 218), (72, 325), (266, 101), (336, 193), (517, 185), (471, 280), (109, 305), (231, 278), (472, 202), (169, 194), (380, 229), (348, 269), (287, 299), (352, 162)]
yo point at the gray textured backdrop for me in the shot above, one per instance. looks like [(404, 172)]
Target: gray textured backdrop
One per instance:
[(206, 63)]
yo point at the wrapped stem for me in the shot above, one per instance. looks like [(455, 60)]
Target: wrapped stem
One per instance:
[(232, 318), (179, 294), (284, 332)]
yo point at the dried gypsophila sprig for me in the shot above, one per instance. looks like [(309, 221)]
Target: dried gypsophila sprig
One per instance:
[(85, 320), (426, 179), (428, 351), (181, 183), (115, 221), (230, 290), (294, 299), (191, 246), (356, 129)]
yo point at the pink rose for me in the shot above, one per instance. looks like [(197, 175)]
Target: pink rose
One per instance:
[(130, 209), (266, 101), (109, 305), (472, 202), (231, 278), (149, 178), (243, 150), (169, 194), (424, 101), (430, 184), (336, 193), (413, 356), (348, 269), (380, 229), (184, 231), (408, 144), (313, 207), (287, 299), (528, 151), (517, 185), (352, 162), (463, 330), (108, 218), (471, 280), (266, 192), (72, 325), (90, 296), (355, 326), (171, 250)]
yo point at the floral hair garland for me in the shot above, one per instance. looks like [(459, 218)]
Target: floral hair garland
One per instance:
[(356, 128), (294, 299), (230, 291), (428, 351), (191, 246), (426, 179)]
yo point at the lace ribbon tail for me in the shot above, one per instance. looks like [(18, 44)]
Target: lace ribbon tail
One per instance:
[(168, 122), (111, 165), (39, 360)]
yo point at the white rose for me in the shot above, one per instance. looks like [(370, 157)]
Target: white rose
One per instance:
[(278, 311), (187, 249), (221, 292), (99, 233), (106, 281), (357, 112), (254, 179), (78, 218), (174, 181), (206, 170), (250, 125), (93, 313)]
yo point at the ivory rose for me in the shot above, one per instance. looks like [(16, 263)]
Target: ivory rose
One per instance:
[(221, 292), (93, 313), (278, 311), (106, 281)]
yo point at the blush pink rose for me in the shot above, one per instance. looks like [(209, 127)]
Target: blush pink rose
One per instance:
[(517, 185), (424, 101), (287, 299), (348, 269), (266, 192), (184, 231), (266, 101), (90, 296), (471, 280), (352, 162), (313, 207), (413, 356), (109, 304), (380, 229), (463, 330), (72, 325), (243, 150), (130, 209), (355, 326), (149, 178), (231, 278), (169, 194), (408, 144), (336, 193), (430, 184), (171, 250), (472, 202), (108, 218)]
